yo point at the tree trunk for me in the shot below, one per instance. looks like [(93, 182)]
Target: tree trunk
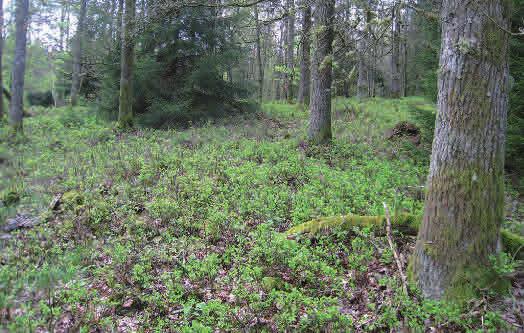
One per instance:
[(77, 53), (305, 61), (320, 117), (59, 95), (1, 52), (118, 35), (125, 112), (362, 81), (290, 66), (404, 53), (395, 52), (464, 205), (279, 89), (16, 108), (259, 57)]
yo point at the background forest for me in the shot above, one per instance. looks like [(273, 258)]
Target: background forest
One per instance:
[(177, 169)]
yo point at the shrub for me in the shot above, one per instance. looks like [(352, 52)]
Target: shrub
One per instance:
[(41, 98)]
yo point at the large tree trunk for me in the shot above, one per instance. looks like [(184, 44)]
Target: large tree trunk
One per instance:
[(1, 52), (259, 57), (77, 53), (465, 197), (125, 112), (16, 109), (395, 52), (305, 61), (320, 117), (290, 47)]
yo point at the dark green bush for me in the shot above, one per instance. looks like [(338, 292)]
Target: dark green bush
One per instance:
[(178, 80), (41, 98)]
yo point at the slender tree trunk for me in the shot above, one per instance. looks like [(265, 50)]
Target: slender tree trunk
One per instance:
[(59, 95), (395, 53), (362, 81), (77, 53), (290, 50), (279, 88), (125, 112), (68, 25), (1, 53), (305, 61), (259, 57), (464, 205), (16, 108), (404, 54), (118, 35), (371, 71), (320, 117)]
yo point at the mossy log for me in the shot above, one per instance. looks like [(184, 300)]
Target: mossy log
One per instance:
[(406, 223)]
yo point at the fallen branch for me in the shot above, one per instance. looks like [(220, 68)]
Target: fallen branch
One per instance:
[(405, 223), (394, 250)]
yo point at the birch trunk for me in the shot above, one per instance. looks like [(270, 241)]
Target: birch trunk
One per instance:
[(464, 205), (320, 117)]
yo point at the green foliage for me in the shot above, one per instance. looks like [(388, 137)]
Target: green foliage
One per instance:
[(503, 264), (44, 98), (423, 70), (179, 75)]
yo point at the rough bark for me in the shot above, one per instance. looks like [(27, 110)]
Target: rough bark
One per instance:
[(16, 108), (290, 42), (259, 55), (464, 205), (395, 52), (77, 53), (320, 116), (125, 112), (305, 61), (1, 52)]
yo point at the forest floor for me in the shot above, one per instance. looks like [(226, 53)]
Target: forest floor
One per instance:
[(182, 230)]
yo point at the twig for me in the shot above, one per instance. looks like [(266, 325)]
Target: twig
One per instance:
[(393, 249)]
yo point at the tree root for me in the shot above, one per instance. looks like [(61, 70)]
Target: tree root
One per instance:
[(405, 223)]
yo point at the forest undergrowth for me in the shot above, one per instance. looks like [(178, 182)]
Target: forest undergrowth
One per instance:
[(183, 229)]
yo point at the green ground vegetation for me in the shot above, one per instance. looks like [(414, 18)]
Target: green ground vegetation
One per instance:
[(183, 229)]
